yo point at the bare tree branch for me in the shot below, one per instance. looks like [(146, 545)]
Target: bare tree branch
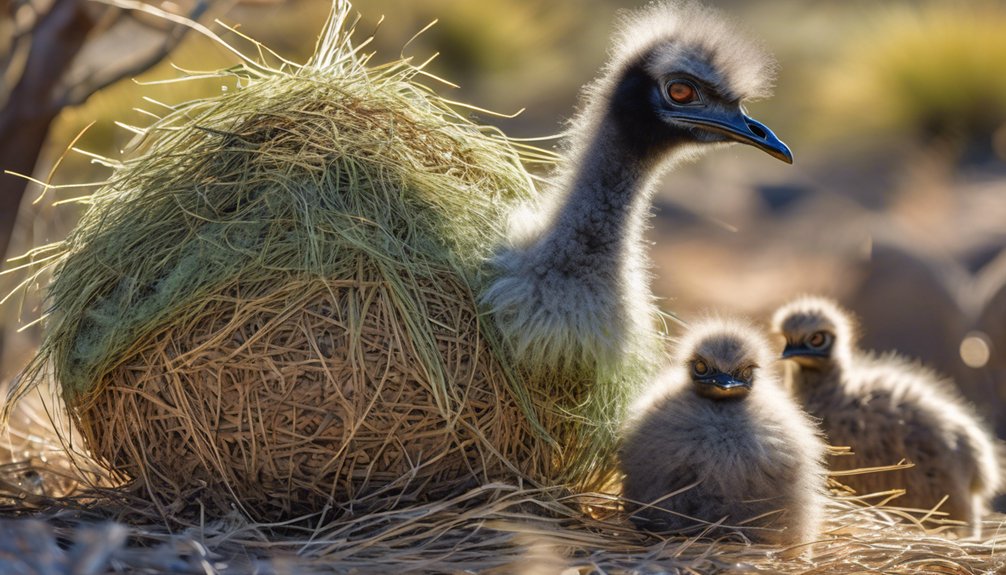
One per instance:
[(109, 17), (57, 38), (80, 92)]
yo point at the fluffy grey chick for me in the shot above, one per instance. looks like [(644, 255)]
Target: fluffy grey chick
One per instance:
[(718, 438), (888, 409), (571, 285)]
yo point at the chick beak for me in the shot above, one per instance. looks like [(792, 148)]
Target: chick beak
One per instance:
[(722, 386), (794, 351)]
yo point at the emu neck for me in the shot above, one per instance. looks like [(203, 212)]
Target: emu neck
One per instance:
[(572, 288), (605, 203), (813, 386)]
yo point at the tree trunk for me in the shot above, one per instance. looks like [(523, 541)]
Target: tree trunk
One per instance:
[(30, 108)]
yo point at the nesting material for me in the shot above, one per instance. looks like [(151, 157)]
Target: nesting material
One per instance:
[(310, 391), (498, 537), (271, 303), (489, 529)]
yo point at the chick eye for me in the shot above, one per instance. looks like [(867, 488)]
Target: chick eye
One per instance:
[(819, 340), (681, 93), (747, 373), (699, 367)]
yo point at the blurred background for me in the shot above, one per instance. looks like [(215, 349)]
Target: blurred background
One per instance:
[(896, 113)]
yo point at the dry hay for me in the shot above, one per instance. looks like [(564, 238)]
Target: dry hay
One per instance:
[(276, 389), (490, 529), (271, 303)]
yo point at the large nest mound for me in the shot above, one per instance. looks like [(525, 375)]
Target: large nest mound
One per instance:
[(272, 302)]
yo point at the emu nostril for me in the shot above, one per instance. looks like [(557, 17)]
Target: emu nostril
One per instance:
[(756, 130)]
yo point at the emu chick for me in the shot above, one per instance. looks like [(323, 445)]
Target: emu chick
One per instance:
[(888, 409), (718, 439)]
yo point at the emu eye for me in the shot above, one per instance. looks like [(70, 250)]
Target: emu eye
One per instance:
[(747, 373), (681, 93), (819, 340), (699, 367)]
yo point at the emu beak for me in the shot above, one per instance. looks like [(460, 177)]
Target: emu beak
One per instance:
[(756, 134), (739, 127), (722, 386)]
